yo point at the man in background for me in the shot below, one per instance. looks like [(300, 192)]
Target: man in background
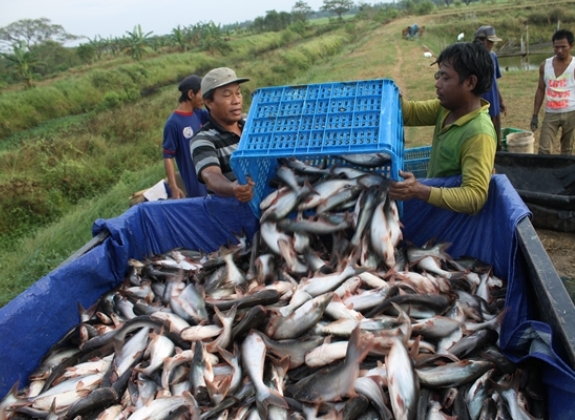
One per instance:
[(486, 35), (179, 129), (557, 87)]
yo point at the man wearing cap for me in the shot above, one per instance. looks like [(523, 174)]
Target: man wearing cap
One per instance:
[(212, 146), (179, 129), (557, 87), (486, 35)]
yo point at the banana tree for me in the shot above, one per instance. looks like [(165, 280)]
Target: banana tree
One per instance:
[(22, 61), (136, 42), (178, 38)]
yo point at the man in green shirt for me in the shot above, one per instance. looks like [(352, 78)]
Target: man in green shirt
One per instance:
[(464, 140)]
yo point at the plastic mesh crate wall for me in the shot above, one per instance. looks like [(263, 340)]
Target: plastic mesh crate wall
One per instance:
[(416, 160), (317, 122)]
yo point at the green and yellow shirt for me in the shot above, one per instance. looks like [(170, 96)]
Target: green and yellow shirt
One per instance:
[(466, 147)]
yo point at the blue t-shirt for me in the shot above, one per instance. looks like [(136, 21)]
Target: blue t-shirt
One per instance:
[(178, 131), (491, 95)]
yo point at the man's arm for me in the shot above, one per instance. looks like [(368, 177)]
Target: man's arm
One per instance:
[(477, 157), (170, 149), (539, 96), (171, 175), (420, 113), (502, 106), (220, 185)]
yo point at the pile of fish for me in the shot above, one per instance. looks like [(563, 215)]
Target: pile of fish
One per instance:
[(326, 313)]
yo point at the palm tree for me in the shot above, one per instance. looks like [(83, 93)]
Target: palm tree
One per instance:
[(137, 42), (23, 61)]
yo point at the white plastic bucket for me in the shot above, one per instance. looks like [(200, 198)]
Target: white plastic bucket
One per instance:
[(521, 142)]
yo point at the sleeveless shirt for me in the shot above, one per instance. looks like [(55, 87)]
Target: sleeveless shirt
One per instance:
[(559, 91)]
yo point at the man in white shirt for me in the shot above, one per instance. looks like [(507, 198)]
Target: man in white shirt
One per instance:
[(557, 87)]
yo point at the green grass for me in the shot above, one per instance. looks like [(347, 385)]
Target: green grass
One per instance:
[(31, 258)]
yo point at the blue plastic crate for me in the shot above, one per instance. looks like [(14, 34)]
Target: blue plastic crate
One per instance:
[(416, 160), (317, 122)]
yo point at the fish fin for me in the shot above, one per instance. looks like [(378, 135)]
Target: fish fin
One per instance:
[(430, 242), (414, 351)]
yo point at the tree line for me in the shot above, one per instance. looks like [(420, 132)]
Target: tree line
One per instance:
[(34, 49)]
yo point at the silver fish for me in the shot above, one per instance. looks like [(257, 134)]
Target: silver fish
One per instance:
[(453, 374), (369, 160), (271, 235), (402, 382), (253, 358), (366, 211), (372, 388), (293, 348), (331, 384), (158, 408), (381, 235)]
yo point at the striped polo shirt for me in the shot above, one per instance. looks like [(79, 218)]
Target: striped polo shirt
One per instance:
[(213, 146)]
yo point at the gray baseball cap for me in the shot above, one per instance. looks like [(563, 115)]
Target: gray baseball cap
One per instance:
[(221, 76), (487, 32)]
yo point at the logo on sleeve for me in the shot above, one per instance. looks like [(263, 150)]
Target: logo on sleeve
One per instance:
[(188, 132)]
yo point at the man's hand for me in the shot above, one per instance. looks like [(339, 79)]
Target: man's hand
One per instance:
[(244, 193), (503, 108), (534, 122), (408, 188), (177, 193)]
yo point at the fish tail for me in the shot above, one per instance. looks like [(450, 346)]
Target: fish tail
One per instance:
[(267, 398), (442, 247), (357, 348)]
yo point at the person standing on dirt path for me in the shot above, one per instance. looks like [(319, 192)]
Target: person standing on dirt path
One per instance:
[(464, 137), (486, 35), (179, 129), (557, 86), (213, 145)]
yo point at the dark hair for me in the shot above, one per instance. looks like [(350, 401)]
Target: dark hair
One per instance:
[(193, 83), (209, 96), (184, 95), (563, 34), (470, 59)]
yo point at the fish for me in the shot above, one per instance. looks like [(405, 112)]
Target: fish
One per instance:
[(327, 353), (369, 160), (402, 381), (380, 233), (97, 399), (319, 226), (287, 176), (253, 357), (271, 235), (158, 408), (325, 189), (295, 324), (303, 168), (367, 206), (286, 202), (477, 394), (453, 374), (372, 388), (299, 321), (332, 384)]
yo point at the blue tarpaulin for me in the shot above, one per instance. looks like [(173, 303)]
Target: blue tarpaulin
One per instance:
[(39, 317)]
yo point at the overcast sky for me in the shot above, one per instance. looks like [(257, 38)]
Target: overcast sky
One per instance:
[(114, 17)]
